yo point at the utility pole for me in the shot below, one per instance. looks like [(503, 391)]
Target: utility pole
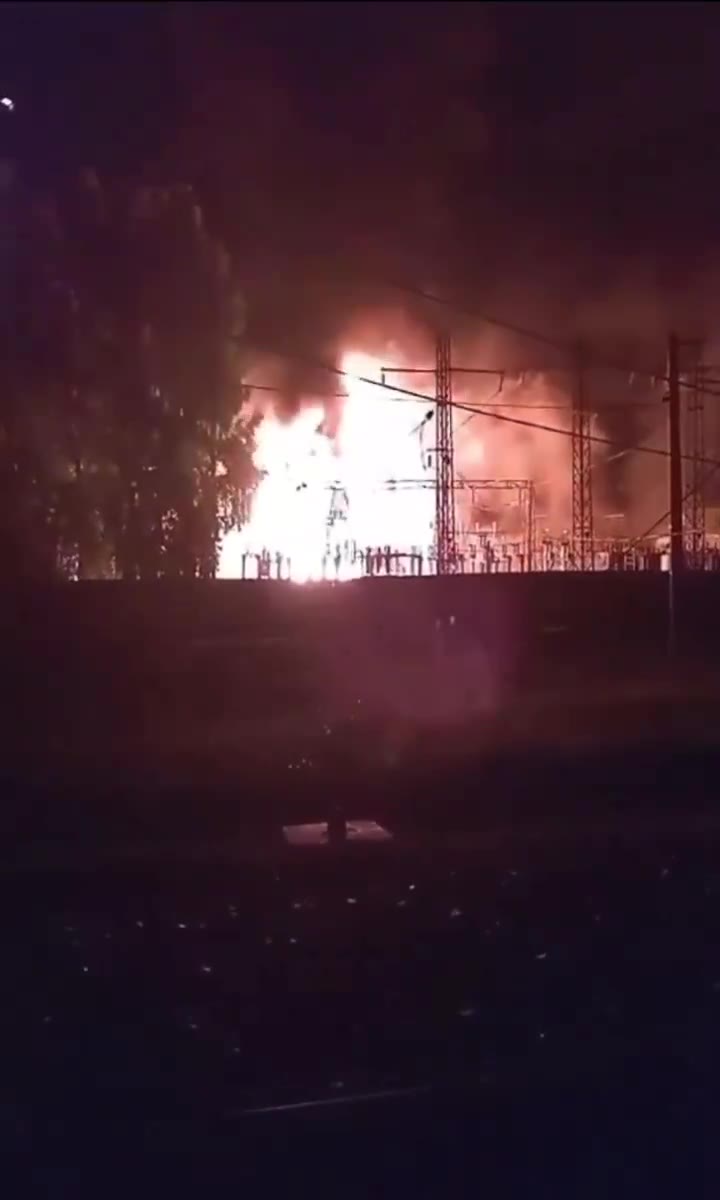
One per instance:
[(697, 496), (693, 432), (582, 501), (446, 533), (677, 549), (445, 523)]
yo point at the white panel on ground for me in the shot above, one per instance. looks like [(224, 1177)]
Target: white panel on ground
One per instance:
[(317, 834)]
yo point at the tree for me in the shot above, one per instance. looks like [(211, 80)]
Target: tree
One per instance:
[(26, 506), (193, 320), (121, 385)]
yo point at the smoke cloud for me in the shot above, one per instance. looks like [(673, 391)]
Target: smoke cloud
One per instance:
[(340, 148)]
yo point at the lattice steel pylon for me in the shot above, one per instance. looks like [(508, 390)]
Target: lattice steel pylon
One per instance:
[(445, 522), (582, 501), (695, 442)]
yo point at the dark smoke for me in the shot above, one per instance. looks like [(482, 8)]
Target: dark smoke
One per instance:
[(556, 165)]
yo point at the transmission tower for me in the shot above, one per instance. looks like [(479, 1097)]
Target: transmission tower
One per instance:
[(445, 526), (694, 515), (446, 539), (582, 504)]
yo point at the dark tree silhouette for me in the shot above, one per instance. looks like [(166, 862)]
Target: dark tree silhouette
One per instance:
[(122, 448)]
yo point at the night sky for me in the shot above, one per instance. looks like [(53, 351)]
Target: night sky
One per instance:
[(556, 163)]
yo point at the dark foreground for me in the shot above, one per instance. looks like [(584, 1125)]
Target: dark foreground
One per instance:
[(544, 1010), (521, 991)]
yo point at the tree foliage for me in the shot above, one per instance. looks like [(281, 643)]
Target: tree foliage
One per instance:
[(122, 448)]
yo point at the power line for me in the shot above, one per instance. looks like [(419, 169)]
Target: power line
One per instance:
[(570, 349), (400, 394), (592, 437), (708, 475), (519, 330), (489, 404), (565, 347)]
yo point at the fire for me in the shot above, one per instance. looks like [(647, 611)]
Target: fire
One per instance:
[(322, 503)]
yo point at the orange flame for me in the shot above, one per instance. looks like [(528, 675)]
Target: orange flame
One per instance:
[(322, 502)]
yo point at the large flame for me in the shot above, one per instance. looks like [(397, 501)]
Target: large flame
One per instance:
[(322, 503)]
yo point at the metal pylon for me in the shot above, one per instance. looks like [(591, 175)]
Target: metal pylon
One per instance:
[(582, 503), (445, 524), (695, 500)]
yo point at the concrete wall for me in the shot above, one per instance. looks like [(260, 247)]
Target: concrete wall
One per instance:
[(109, 654), (602, 605)]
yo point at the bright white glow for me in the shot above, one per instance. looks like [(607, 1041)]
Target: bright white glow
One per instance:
[(322, 502), (7, 103)]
